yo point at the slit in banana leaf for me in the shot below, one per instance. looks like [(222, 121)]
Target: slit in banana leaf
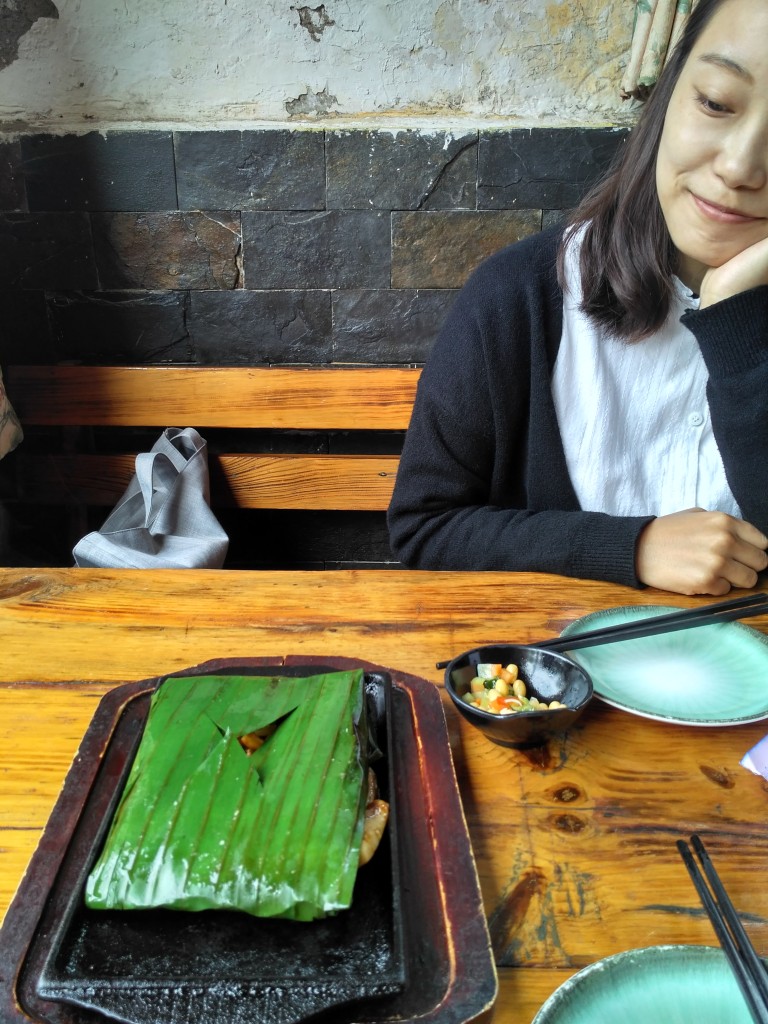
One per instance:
[(208, 821)]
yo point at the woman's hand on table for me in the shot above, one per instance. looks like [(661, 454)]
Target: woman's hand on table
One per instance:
[(747, 269), (700, 552)]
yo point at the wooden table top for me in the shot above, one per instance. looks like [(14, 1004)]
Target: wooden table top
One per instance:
[(574, 841)]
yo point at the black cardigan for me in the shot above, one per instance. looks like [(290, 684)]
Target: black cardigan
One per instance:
[(483, 481)]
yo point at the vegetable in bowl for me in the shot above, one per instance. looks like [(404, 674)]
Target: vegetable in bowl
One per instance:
[(499, 689)]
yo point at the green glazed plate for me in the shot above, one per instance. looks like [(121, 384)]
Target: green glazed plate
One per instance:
[(655, 985), (709, 675)]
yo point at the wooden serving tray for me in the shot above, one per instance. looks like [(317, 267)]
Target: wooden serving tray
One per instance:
[(420, 950)]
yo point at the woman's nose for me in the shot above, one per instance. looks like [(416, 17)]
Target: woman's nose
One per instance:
[(742, 161)]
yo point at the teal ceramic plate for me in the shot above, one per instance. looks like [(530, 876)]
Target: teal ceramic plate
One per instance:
[(710, 675), (655, 985)]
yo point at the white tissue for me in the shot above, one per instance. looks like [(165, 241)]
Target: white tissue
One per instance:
[(756, 759)]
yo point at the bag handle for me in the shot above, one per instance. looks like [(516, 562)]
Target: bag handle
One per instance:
[(165, 455), (146, 464), (179, 446)]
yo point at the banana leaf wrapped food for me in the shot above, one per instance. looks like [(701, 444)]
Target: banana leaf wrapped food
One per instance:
[(246, 793)]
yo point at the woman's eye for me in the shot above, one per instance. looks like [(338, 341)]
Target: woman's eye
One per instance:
[(711, 106)]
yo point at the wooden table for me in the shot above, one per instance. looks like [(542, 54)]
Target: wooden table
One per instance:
[(574, 842)]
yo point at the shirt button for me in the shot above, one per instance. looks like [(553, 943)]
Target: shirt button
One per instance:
[(695, 419)]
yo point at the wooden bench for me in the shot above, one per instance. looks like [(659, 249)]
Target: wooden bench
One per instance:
[(84, 424)]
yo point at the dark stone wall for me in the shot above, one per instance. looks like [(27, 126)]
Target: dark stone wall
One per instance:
[(262, 247), (246, 247)]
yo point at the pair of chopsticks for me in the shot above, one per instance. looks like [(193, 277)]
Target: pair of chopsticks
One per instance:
[(654, 625), (746, 965), (706, 615)]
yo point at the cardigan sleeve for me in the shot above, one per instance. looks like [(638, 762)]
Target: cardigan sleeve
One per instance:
[(483, 482), (733, 338)]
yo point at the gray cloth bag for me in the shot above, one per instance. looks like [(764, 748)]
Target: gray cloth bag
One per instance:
[(164, 519)]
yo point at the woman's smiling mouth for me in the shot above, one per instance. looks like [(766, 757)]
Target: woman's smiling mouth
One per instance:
[(722, 214)]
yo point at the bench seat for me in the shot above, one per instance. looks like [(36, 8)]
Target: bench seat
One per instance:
[(319, 439)]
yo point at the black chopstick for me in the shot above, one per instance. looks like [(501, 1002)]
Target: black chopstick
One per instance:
[(655, 625), (746, 965)]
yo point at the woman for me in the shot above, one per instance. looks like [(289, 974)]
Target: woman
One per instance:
[(597, 403)]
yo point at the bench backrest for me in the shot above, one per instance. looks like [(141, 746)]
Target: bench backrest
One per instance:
[(284, 398), (82, 423)]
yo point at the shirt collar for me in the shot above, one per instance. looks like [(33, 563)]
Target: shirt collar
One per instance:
[(684, 294)]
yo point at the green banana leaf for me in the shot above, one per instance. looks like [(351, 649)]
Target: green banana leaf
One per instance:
[(203, 824)]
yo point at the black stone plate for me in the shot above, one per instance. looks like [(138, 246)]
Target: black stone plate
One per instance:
[(413, 945)]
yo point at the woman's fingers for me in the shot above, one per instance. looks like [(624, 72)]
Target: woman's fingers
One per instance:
[(700, 552), (750, 545)]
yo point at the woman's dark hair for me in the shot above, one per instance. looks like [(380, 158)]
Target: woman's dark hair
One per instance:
[(627, 257)]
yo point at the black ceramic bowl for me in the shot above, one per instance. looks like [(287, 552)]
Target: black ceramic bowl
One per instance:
[(546, 674)]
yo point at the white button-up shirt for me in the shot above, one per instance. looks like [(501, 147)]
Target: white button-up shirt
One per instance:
[(634, 417)]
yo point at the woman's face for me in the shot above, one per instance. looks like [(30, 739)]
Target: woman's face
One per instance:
[(712, 164)]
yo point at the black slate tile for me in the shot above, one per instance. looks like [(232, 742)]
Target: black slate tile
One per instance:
[(273, 169), (121, 327), (440, 250), (121, 170), (46, 250), (335, 249), (549, 168), (25, 336), (549, 218), (167, 250), (388, 325), (404, 170), (12, 192), (248, 327)]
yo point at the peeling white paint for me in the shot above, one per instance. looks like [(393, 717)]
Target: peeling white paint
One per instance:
[(409, 62)]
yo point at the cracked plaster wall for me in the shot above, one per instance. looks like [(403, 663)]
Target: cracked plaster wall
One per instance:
[(80, 64)]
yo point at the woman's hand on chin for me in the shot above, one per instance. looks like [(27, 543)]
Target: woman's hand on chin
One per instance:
[(699, 552), (746, 270)]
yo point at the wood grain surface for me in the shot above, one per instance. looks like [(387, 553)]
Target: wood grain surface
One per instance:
[(355, 482), (574, 841), (318, 398)]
